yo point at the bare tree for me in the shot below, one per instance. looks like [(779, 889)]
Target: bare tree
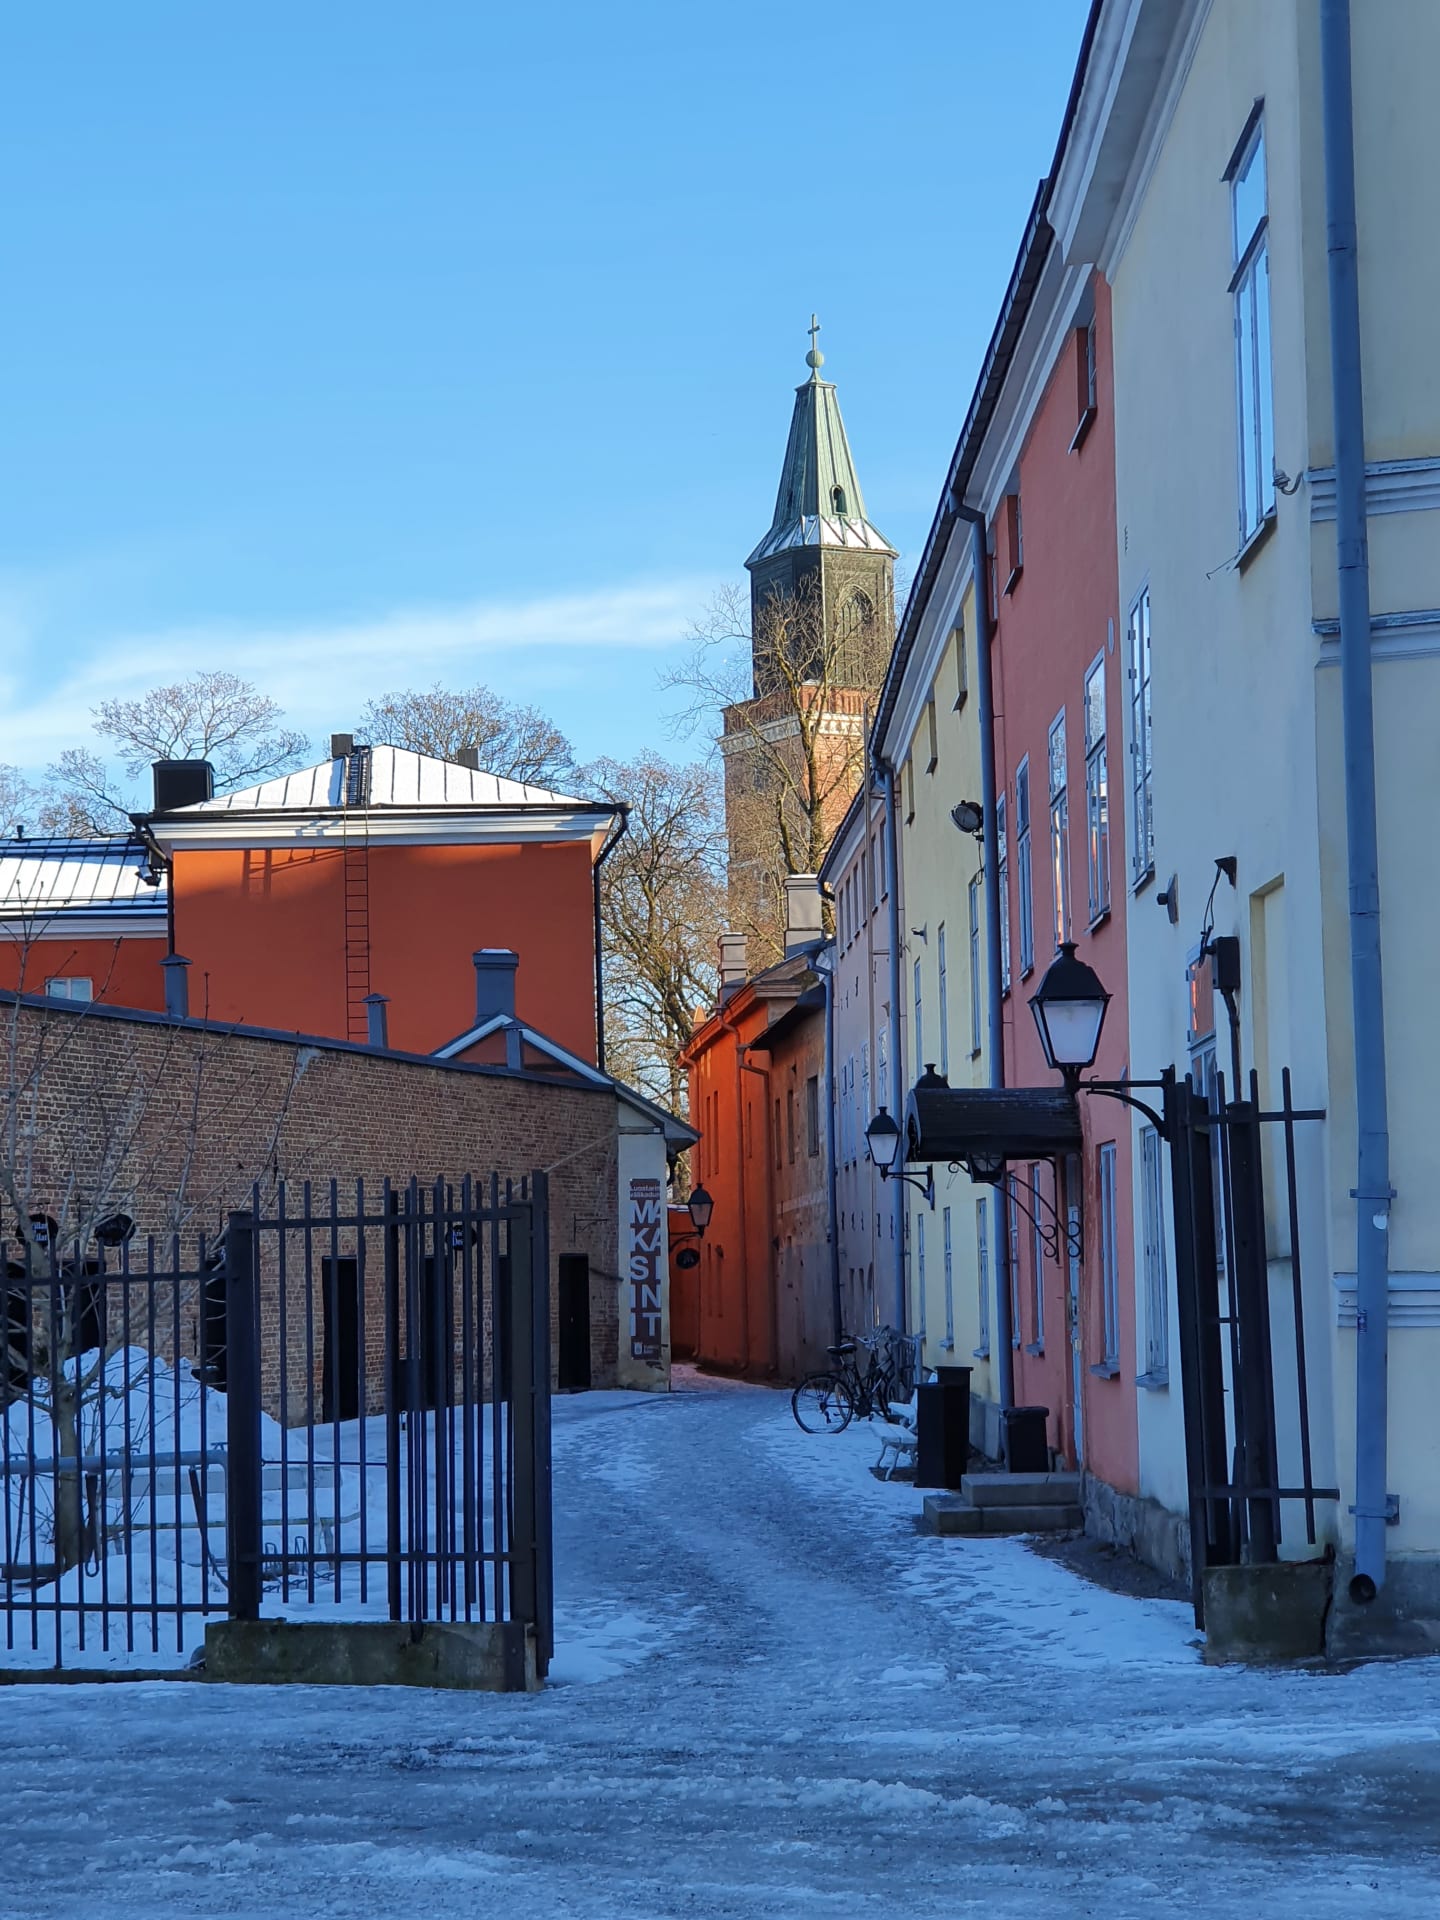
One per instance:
[(18, 800), (791, 691), (662, 899), (516, 742), (214, 716)]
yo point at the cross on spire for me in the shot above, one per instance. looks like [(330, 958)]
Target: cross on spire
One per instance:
[(814, 359)]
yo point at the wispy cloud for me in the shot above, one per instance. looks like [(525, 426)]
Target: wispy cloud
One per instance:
[(322, 672)]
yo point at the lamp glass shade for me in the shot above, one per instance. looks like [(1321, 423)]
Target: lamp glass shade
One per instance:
[(1069, 1008), (882, 1141), (701, 1207)]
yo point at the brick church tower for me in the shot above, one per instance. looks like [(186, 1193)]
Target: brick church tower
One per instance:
[(822, 607)]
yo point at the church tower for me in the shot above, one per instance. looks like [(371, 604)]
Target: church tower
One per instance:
[(822, 621)]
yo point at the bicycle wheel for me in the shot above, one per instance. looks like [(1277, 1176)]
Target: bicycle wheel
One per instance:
[(822, 1403), (879, 1392)]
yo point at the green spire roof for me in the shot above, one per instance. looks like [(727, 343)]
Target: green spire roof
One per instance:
[(819, 503)]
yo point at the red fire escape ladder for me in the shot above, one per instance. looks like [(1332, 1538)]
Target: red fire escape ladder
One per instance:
[(356, 858)]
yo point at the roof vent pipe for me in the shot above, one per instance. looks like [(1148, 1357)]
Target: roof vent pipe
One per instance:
[(182, 783), (377, 1033), (177, 986), (468, 757), (733, 964), (342, 745), (495, 983)]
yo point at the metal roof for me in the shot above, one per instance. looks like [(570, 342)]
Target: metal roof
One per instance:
[(102, 877), (819, 503), (396, 778)]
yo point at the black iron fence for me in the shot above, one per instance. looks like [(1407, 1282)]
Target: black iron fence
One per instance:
[(340, 1407)]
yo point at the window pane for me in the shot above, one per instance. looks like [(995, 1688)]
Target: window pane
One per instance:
[(1095, 705), (1246, 391), (1247, 196), (1264, 423)]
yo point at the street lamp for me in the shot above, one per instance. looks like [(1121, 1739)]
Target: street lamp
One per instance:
[(886, 1149), (1069, 1008), (701, 1207)]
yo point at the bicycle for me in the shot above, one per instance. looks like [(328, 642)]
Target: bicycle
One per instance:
[(827, 1402)]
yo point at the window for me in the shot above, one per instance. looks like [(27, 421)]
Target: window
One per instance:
[(1059, 832), (866, 1110), (777, 1134), (749, 1131), (932, 736), (1012, 1191), (1022, 857), (1142, 857), (949, 1286), (790, 1125), (1083, 343), (1015, 539), (838, 501), (1152, 1227), (909, 782), (884, 865), (1037, 1250), (882, 1067), (1003, 879), (1097, 794), (70, 987), (944, 1007), (994, 593), (1109, 1261), (920, 1267), (974, 897), (1250, 288), (962, 678), (812, 1115), (919, 1023), (982, 1261)]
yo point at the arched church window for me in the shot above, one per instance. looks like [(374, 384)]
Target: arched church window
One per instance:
[(854, 667), (837, 500)]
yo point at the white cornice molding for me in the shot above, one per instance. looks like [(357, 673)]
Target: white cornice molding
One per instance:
[(357, 828), (85, 923), (942, 615), (1414, 1299), (1393, 636), (1391, 486), (1185, 38)]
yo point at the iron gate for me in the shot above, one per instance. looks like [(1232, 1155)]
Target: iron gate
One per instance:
[(342, 1404), (1219, 1151)]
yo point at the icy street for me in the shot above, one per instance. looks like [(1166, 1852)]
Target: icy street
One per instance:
[(772, 1697)]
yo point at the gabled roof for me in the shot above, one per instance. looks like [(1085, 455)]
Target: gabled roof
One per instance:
[(384, 793), (90, 888), (819, 503)]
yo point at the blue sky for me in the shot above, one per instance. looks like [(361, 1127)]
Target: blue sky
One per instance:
[(352, 346)]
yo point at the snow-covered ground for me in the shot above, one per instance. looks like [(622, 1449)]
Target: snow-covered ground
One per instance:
[(772, 1697)]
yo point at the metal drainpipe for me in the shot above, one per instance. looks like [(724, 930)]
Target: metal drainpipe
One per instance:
[(605, 852), (1373, 1193), (826, 972), (897, 1051), (994, 996)]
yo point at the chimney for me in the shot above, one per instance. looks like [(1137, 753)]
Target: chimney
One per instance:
[(182, 783), (468, 757), (342, 745), (495, 983), (377, 1032), (802, 911), (733, 967), (177, 987)]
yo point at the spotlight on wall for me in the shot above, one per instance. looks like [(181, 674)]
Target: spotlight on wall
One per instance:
[(969, 817)]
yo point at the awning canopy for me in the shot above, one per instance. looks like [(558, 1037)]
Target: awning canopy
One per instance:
[(990, 1123)]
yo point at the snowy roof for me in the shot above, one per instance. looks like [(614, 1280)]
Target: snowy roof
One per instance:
[(104, 880), (395, 777)]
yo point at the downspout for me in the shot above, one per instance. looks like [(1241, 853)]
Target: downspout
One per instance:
[(897, 1051), (826, 970), (1373, 1192), (994, 993), (605, 852)]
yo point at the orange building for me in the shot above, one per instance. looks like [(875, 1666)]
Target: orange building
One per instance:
[(84, 920)]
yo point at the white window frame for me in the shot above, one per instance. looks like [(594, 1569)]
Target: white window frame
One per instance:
[(1142, 817), (919, 1021), (1108, 1182), (976, 1028), (882, 1069), (1250, 291), (982, 1262), (918, 1229), (70, 986), (1097, 793), (1003, 880), (949, 1285), (1152, 1238), (1023, 866), (1059, 829), (1012, 1197), (1037, 1251), (944, 1007)]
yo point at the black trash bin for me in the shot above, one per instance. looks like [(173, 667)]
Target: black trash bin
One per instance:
[(1026, 1448), (942, 1428)]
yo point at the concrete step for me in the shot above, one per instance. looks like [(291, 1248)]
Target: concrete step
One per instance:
[(948, 1513), (1048, 1518), (1020, 1489)]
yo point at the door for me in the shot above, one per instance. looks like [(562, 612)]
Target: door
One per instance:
[(573, 1357), (1073, 1230)]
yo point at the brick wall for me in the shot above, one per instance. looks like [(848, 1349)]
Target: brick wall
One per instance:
[(175, 1125)]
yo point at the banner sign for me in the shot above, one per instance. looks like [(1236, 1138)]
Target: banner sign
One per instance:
[(647, 1253)]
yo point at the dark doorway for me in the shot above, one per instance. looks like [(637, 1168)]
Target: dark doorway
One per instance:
[(431, 1336), (341, 1362), (573, 1358)]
